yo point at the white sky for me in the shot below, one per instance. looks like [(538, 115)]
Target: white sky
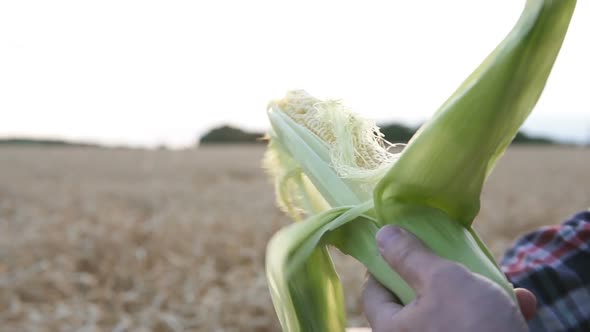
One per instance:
[(152, 72)]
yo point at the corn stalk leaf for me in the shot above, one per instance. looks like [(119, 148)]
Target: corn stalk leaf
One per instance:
[(445, 164), (306, 290)]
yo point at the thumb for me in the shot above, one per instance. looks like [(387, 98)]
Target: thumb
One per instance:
[(407, 255)]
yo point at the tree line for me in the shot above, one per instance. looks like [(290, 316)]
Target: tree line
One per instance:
[(395, 133)]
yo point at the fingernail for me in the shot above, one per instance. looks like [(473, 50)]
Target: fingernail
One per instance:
[(387, 234)]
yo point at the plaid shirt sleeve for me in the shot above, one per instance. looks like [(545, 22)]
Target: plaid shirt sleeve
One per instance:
[(554, 263)]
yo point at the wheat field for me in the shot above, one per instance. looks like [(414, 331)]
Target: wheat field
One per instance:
[(141, 240)]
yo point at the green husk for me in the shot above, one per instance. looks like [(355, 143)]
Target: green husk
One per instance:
[(334, 175)]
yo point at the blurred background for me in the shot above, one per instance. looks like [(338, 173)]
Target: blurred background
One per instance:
[(132, 196)]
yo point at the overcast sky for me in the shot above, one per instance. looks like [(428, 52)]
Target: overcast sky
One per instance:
[(153, 72)]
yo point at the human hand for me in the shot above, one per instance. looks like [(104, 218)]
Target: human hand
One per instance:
[(448, 296)]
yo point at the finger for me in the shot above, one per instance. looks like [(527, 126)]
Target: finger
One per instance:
[(527, 303), (378, 303), (407, 255)]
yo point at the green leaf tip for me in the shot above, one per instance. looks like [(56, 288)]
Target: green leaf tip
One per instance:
[(445, 164)]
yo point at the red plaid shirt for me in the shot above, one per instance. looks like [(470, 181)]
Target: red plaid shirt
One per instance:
[(554, 263)]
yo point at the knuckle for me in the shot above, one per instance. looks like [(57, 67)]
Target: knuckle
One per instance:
[(382, 322), (402, 251), (401, 255), (387, 324)]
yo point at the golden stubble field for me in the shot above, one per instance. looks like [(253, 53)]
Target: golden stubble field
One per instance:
[(130, 240)]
